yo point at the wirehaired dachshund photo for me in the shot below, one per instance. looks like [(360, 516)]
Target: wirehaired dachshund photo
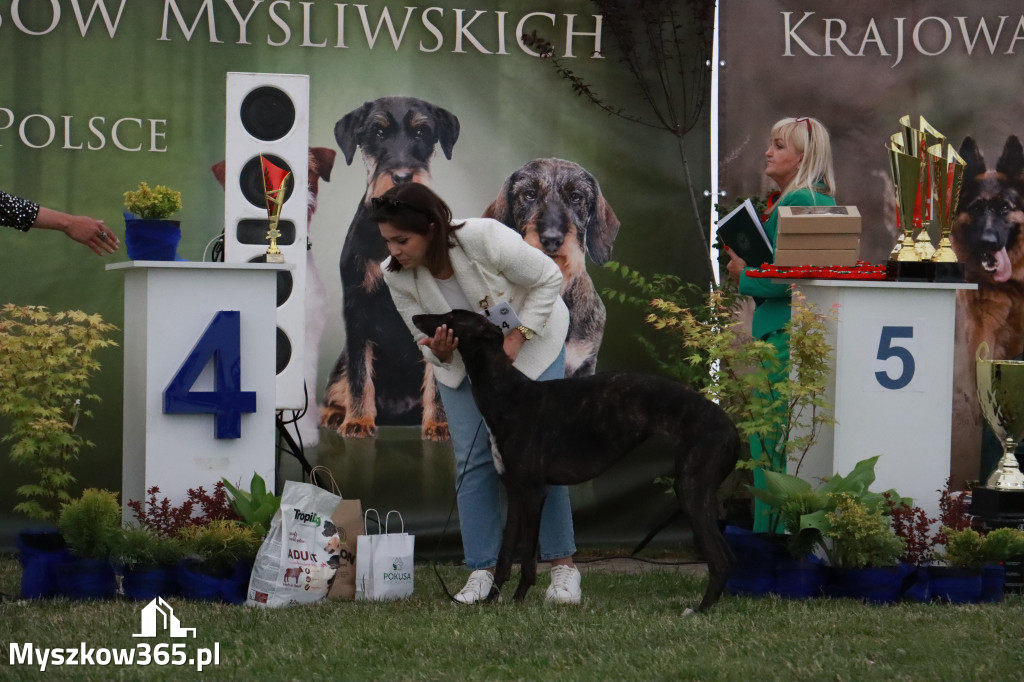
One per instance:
[(568, 431), (558, 207), (380, 375)]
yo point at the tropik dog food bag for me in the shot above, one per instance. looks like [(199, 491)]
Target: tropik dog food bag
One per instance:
[(294, 563)]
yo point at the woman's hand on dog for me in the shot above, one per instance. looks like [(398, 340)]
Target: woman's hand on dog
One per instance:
[(443, 343)]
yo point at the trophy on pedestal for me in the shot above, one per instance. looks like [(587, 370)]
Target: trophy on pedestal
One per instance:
[(1001, 395), (275, 187), (947, 173), (927, 182)]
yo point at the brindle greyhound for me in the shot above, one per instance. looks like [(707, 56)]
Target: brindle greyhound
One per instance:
[(568, 431)]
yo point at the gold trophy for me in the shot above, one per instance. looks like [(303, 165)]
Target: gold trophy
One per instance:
[(275, 187), (947, 177), (1001, 395), (907, 172)]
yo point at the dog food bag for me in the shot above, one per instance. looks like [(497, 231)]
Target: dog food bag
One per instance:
[(294, 564)]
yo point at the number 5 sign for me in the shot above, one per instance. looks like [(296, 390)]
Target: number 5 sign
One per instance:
[(893, 384), (199, 375)]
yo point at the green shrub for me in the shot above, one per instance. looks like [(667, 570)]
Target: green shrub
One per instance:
[(137, 547), (861, 537), (159, 202), (220, 545), (90, 524)]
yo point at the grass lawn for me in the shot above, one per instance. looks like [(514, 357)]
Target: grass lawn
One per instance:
[(629, 627)]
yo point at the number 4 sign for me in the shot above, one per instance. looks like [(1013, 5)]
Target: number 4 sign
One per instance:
[(221, 343)]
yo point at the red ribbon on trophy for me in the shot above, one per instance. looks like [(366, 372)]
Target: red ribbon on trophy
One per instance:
[(275, 186)]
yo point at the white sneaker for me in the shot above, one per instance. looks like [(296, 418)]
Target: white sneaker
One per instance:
[(477, 587), (565, 585)]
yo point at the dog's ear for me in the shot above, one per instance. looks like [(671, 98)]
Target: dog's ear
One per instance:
[(501, 208), (602, 231), (218, 172), (973, 171), (1011, 163), (346, 130), (322, 161), (447, 129)]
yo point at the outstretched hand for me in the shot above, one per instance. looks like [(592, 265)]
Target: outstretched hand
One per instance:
[(443, 343)]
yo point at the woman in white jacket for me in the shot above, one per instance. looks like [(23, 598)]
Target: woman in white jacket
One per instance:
[(435, 266)]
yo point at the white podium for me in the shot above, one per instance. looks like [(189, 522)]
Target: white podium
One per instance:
[(199, 375), (891, 386)]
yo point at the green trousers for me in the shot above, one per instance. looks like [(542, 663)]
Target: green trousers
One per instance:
[(771, 450)]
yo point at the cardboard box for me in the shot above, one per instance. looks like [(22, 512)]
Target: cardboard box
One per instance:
[(818, 235)]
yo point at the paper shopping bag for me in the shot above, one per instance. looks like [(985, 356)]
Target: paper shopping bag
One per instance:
[(343, 548), (384, 562)]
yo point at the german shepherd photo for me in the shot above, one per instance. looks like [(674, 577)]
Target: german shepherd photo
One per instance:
[(987, 240)]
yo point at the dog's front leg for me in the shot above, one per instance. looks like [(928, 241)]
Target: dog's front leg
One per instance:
[(533, 505)]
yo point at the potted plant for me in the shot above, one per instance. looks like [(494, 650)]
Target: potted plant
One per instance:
[(256, 507), (90, 526), (803, 512), (864, 551), (218, 560), (149, 234), (147, 561)]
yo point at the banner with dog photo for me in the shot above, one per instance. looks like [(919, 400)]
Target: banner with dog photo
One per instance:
[(476, 113), (858, 68)]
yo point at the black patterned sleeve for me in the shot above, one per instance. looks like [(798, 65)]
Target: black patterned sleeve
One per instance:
[(17, 212)]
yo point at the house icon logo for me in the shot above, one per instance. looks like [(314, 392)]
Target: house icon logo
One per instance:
[(159, 613)]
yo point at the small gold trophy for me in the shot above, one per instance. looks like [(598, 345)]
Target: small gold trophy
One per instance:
[(275, 186), (947, 171), (907, 172), (1001, 395)]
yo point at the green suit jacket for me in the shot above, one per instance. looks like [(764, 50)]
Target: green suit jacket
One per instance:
[(772, 311)]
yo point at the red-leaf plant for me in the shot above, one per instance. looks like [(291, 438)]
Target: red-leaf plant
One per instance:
[(166, 519), (915, 526)]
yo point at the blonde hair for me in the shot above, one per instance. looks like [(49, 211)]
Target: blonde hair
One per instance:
[(810, 138)]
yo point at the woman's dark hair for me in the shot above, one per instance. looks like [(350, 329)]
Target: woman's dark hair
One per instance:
[(414, 207)]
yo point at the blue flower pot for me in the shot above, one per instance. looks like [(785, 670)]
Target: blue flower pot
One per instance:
[(757, 556), (195, 584), (872, 584), (955, 585), (40, 552), (800, 578), (148, 239), (993, 580), (87, 579), (145, 584)]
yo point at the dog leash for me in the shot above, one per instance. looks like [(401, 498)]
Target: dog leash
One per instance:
[(444, 586)]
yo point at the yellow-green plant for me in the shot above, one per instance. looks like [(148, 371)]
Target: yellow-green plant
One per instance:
[(91, 524), (46, 362), (860, 537), (159, 202), (741, 373), (220, 545)]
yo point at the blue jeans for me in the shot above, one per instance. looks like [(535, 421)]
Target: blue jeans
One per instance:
[(476, 481)]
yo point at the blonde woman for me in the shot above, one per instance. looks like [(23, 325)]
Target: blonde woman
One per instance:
[(799, 161)]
